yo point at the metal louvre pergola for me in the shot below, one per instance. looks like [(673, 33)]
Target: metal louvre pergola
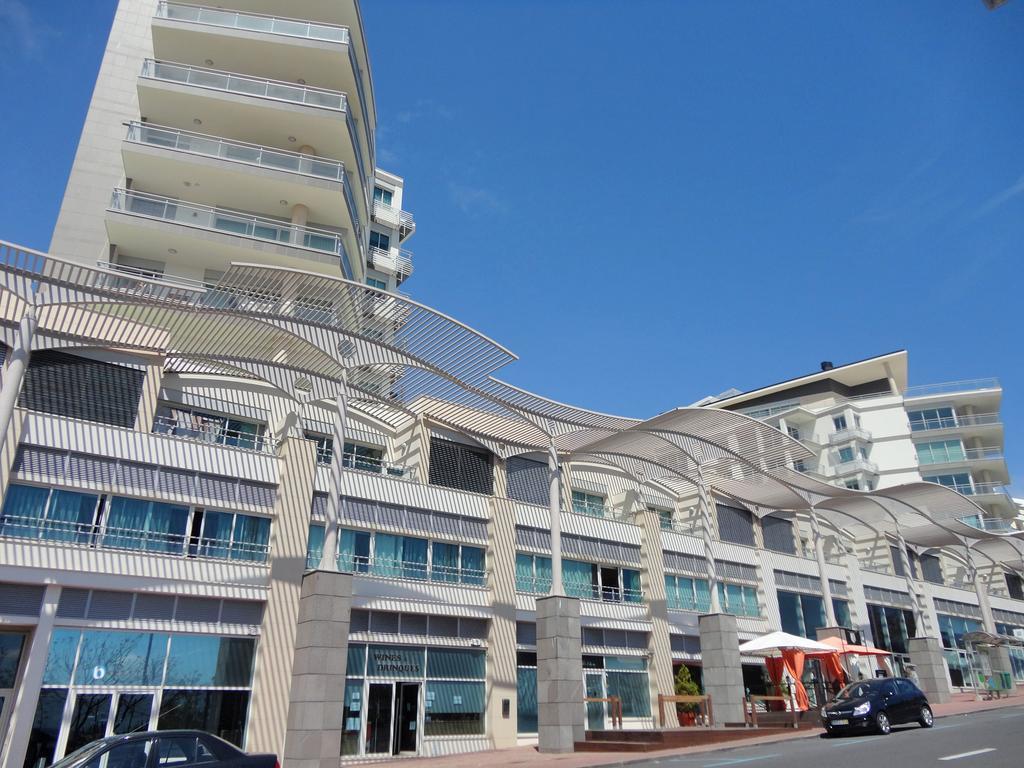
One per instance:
[(312, 335)]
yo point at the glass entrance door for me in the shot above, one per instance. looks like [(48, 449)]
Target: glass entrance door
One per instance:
[(407, 717), (379, 707), (594, 685)]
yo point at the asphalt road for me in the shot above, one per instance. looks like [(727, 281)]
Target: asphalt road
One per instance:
[(949, 744)]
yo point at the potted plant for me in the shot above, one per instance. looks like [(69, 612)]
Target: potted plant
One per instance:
[(685, 712)]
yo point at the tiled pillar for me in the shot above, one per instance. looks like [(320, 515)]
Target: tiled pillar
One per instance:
[(652, 579), (19, 729), (501, 631), (289, 534), (559, 674), (926, 656), (316, 704), (150, 394), (722, 670)]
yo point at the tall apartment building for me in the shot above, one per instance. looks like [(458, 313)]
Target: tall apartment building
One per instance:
[(249, 487)]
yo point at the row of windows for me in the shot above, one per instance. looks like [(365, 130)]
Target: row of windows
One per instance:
[(404, 557), (579, 579), (117, 522)]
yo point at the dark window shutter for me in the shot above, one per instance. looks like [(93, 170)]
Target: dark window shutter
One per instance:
[(778, 535), (931, 569), (454, 465), (897, 561), (528, 480), (68, 385), (735, 525), (1015, 586)]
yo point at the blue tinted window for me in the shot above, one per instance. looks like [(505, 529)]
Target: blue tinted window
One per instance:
[(121, 658), (61, 658), (197, 660), (445, 662)]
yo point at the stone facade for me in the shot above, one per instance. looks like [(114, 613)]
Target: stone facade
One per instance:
[(559, 674)]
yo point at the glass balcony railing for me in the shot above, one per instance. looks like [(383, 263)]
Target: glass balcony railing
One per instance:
[(229, 82), (235, 151), (228, 222), (253, 22), (214, 433), (412, 570), (972, 385), (954, 422)]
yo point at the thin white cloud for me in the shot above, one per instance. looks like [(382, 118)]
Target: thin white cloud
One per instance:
[(474, 199), (1000, 199), (22, 31)]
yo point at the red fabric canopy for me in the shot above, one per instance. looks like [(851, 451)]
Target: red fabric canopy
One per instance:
[(793, 660)]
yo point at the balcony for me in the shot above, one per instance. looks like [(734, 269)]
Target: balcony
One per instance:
[(98, 536), (288, 49), (853, 466), (214, 433), (397, 261), (992, 524), (988, 457), (951, 387), (324, 456), (406, 570), (589, 509), (848, 434), (149, 226), (395, 218), (253, 177), (256, 110)]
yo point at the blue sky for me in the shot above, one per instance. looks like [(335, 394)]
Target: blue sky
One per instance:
[(653, 200)]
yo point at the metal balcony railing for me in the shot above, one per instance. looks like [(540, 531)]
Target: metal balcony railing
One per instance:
[(253, 22), (699, 603), (604, 594), (979, 489), (400, 262), (967, 454), (229, 222), (591, 509), (324, 457), (954, 422), (129, 540), (214, 434), (970, 385), (393, 217), (243, 85), (850, 433), (991, 524), (533, 585)]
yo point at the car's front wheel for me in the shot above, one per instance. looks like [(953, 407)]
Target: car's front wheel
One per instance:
[(882, 723), (927, 719)]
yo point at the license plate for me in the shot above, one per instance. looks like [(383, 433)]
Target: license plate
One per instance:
[(841, 721)]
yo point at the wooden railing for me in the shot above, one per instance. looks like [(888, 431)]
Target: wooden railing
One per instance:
[(751, 716), (703, 703), (614, 707)]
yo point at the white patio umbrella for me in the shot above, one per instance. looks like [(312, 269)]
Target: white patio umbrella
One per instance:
[(779, 641)]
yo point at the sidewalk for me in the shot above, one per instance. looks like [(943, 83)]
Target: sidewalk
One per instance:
[(962, 704)]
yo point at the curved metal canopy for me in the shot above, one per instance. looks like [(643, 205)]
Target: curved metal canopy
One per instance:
[(307, 333)]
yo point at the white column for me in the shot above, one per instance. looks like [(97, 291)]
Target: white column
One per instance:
[(555, 510), (987, 619), (704, 506), (915, 595), (15, 372), (300, 217), (329, 558), (19, 730), (819, 555)]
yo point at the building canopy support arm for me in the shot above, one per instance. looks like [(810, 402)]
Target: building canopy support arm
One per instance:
[(329, 558)]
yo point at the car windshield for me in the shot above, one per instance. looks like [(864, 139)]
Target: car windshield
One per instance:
[(857, 690), (80, 754)]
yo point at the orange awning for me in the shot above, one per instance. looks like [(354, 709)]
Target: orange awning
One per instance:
[(860, 650)]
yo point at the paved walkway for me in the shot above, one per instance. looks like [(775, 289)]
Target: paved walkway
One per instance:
[(529, 757)]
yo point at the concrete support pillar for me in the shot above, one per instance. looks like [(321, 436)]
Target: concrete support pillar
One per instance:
[(559, 674), (819, 555), (150, 394), (19, 729), (300, 218), (329, 558), (722, 671), (555, 512), (306, 162), (317, 700), (921, 618), (502, 673), (705, 506), (289, 534), (15, 373), (652, 579), (926, 655), (999, 657)]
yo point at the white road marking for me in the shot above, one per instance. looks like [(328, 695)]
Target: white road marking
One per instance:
[(738, 761), (968, 754)]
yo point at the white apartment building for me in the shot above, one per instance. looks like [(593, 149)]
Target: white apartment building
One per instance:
[(250, 487)]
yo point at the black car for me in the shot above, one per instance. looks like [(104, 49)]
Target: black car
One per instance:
[(876, 705), (163, 749)]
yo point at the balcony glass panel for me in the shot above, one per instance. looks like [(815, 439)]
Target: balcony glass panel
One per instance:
[(253, 22)]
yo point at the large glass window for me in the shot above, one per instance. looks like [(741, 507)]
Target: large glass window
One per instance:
[(10, 657), (931, 418), (738, 599), (891, 627), (121, 658), (401, 556), (533, 573), (205, 660), (42, 743), (685, 593), (599, 582), (221, 713), (457, 563), (801, 614), (526, 699), (940, 452), (588, 504), (209, 427), (454, 708), (959, 481), (51, 514), (379, 240), (381, 195), (151, 526), (953, 628), (841, 608), (234, 536)]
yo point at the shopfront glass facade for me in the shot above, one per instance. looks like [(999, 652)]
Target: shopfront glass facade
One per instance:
[(98, 683)]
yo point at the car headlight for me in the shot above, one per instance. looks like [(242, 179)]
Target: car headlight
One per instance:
[(862, 709), (824, 714)]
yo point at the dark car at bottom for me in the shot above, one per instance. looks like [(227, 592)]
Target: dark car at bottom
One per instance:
[(875, 706), (164, 749)]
